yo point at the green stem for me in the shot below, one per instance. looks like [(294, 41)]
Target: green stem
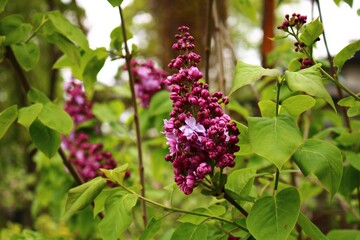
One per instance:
[(136, 115), (43, 21), (235, 204), (278, 84), (343, 87), (171, 209), (277, 175)]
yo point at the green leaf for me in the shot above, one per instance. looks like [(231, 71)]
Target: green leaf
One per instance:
[(294, 65), (108, 111), (67, 47), (248, 9), (348, 102), (247, 73), (322, 159), (311, 32), (18, 34), (311, 230), (9, 23), (27, 115), (115, 3), (353, 159), (81, 196), (295, 105), (67, 29), (345, 54), (36, 96), (116, 175), (99, 201), (7, 117), (349, 181), (273, 218), (214, 210), (117, 38), (151, 229), (244, 142), (45, 139), (92, 67), (190, 231), (349, 2), (27, 54), (3, 5), (342, 234), (118, 217), (160, 103), (353, 111), (267, 108), (354, 106), (56, 118), (309, 80), (241, 181), (275, 139), (348, 138)]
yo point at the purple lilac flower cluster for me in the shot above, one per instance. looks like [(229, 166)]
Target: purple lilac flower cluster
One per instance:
[(88, 157), (148, 80), (199, 134), (296, 20)]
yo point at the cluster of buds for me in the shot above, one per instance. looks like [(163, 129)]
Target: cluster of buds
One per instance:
[(295, 21), (201, 137), (86, 156), (299, 46), (305, 63), (148, 80)]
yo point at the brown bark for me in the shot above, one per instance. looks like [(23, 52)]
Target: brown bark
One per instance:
[(268, 29), (171, 14)]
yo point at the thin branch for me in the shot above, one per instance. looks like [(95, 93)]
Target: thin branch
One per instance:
[(235, 204), (18, 69), (171, 209), (333, 72), (70, 167), (136, 116)]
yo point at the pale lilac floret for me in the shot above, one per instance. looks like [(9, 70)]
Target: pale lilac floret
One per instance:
[(191, 128)]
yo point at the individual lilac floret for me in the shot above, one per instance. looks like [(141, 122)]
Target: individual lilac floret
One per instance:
[(192, 128), (200, 136), (148, 80), (86, 156)]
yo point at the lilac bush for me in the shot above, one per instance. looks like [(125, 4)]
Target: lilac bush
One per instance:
[(201, 137), (88, 157)]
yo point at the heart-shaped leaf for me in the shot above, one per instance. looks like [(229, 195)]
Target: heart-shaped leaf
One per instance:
[(309, 80), (273, 218), (275, 139), (322, 159), (248, 73)]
